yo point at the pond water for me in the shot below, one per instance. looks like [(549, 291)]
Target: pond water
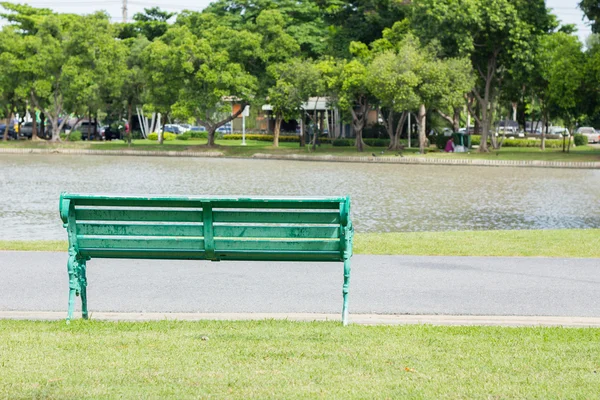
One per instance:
[(385, 198)]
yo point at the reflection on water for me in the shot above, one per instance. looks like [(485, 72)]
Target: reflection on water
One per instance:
[(385, 198)]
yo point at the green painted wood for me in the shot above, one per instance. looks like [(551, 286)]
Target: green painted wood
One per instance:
[(276, 246), (209, 241), (138, 242), (143, 229), (161, 254), (274, 217), (138, 215), (257, 255), (270, 231)]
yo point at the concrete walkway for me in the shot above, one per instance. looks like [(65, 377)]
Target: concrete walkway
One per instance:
[(381, 287), (359, 319)]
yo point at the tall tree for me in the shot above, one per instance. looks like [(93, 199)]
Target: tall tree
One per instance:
[(496, 35)]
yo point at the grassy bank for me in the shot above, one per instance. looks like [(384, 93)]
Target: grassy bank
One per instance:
[(233, 148), (527, 243), (280, 359)]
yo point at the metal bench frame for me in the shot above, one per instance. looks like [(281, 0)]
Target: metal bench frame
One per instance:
[(204, 228)]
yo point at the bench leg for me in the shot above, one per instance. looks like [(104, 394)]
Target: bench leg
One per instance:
[(73, 283), (345, 291), (82, 287)]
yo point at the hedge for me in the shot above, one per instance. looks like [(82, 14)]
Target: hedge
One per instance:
[(167, 136)]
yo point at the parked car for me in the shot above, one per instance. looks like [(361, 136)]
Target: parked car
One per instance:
[(184, 127), (198, 129), (12, 134), (557, 132), (225, 128), (173, 129), (26, 130), (592, 135), (111, 133), (87, 131)]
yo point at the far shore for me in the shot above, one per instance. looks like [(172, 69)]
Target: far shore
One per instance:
[(587, 157)]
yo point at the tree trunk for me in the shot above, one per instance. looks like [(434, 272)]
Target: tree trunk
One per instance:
[(358, 122), (34, 134), (7, 128), (302, 132), (545, 124), (43, 123), (277, 130), (211, 135), (421, 118), (96, 126), (395, 139), (129, 119)]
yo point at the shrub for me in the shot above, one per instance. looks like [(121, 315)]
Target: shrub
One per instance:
[(199, 134), (185, 136), (262, 138), (377, 142), (167, 136), (74, 136), (343, 142), (580, 140), (441, 140)]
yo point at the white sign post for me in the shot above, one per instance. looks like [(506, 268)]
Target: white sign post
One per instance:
[(245, 113)]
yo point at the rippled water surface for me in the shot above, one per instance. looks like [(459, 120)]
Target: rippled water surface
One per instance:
[(385, 198)]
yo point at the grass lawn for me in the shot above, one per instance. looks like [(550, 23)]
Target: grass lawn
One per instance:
[(233, 148), (525, 243), (283, 359)]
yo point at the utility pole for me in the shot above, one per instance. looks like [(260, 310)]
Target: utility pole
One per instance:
[(124, 11)]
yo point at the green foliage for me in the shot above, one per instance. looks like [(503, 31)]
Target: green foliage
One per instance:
[(199, 134), (262, 138), (185, 136), (74, 136), (167, 136), (580, 140), (550, 143), (343, 143)]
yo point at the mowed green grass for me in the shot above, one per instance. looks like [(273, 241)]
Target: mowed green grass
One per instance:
[(514, 243), (525, 243), (283, 359)]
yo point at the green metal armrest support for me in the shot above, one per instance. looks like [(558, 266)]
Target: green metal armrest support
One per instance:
[(204, 228)]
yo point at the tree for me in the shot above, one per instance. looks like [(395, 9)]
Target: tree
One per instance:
[(190, 77), (591, 9), (393, 79), (152, 24), (562, 76), (496, 35)]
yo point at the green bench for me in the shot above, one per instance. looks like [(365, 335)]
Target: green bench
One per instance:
[(204, 228)]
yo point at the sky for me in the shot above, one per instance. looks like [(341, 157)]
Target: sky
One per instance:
[(566, 10)]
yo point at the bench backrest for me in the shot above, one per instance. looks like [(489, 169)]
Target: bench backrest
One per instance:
[(208, 228)]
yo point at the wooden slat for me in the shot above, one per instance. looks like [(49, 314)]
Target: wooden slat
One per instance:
[(138, 242), (144, 254), (275, 246), (258, 255), (270, 231), (275, 217), (125, 202), (300, 205), (138, 215), (139, 229)]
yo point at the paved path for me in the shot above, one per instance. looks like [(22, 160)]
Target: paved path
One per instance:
[(37, 281)]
